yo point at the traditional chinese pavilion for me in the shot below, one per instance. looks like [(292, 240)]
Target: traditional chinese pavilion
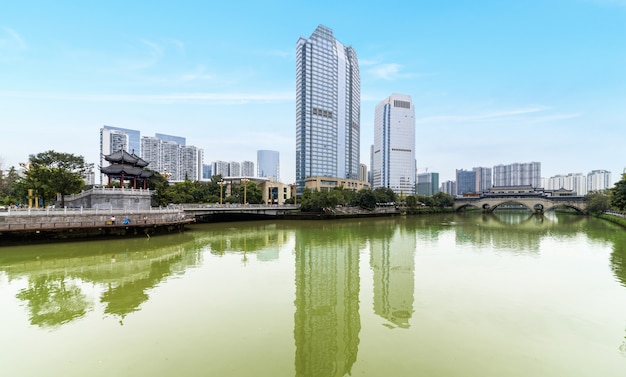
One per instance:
[(126, 167)]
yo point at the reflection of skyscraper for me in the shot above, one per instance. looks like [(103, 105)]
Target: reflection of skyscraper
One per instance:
[(327, 320), (393, 263)]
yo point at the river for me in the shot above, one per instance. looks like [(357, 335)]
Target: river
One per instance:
[(506, 294)]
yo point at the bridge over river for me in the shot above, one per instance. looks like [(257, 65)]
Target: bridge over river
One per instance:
[(535, 203), (206, 212)]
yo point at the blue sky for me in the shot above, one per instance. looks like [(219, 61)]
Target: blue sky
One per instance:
[(493, 82)]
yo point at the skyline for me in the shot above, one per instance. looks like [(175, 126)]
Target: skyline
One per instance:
[(492, 83)]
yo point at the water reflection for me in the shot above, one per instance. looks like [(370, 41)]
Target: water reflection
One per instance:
[(392, 261), (57, 278), (54, 300), (514, 230), (327, 320)]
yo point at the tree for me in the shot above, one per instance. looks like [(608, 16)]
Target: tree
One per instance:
[(50, 173), (8, 185), (597, 202), (618, 198), (159, 185), (365, 199), (385, 195), (443, 200)]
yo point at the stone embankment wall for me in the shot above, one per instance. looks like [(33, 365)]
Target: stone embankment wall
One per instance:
[(16, 221)]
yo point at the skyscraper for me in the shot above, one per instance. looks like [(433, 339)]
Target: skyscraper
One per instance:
[(268, 164), (328, 91), (394, 145)]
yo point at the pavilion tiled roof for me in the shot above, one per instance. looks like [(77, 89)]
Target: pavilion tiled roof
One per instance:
[(123, 157)]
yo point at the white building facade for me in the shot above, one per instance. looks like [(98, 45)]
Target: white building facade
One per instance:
[(517, 174), (598, 180), (328, 91), (394, 145)]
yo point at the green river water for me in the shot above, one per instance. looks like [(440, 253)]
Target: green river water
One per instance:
[(507, 294)]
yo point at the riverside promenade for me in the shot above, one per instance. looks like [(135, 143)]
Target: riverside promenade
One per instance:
[(37, 225)]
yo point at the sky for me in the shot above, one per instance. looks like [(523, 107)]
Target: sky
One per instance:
[(492, 82)]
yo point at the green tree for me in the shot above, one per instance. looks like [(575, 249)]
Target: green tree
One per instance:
[(618, 197), (52, 173), (8, 185), (385, 195), (443, 200), (597, 202), (159, 185), (253, 193), (365, 199)]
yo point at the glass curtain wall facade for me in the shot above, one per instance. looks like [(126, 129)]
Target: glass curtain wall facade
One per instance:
[(394, 145), (268, 164), (328, 90)]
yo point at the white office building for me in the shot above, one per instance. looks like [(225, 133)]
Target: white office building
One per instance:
[(328, 91), (394, 145)]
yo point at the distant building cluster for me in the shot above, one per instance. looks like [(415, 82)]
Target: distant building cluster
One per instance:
[(171, 157), (166, 154), (328, 92), (480, 180)]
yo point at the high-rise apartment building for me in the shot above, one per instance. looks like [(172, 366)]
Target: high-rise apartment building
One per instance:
[(191, 159), (517, 174), (234, 169), (598, 180), (220, 168), (576, 182), (268, 164), (328, 91), (449, 187), (151, 152), (484, 178), (247, 169), (394, 145)]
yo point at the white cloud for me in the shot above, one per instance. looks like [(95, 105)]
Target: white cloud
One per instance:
[(209, 98), (527, 114), (12, 39)]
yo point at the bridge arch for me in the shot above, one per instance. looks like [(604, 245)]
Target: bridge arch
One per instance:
[(532, 203)]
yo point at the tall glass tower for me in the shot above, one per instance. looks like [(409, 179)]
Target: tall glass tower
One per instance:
[(328, 94), (268, 164), (394, 145)]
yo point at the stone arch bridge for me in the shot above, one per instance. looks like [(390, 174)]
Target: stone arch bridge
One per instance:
[(535, 203)]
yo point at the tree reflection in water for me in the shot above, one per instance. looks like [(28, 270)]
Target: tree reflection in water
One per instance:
[(54, 301)]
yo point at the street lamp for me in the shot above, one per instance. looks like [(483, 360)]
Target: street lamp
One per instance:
[(221, 183), (245, 183)]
